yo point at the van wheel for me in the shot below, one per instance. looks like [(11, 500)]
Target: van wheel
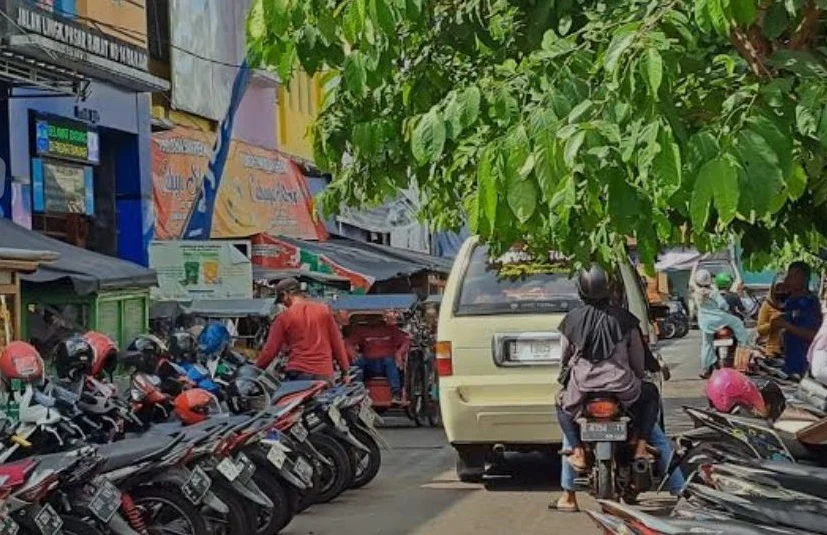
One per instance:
[(470, 465)]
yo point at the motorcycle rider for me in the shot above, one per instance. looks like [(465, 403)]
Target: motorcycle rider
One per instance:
[(724, 281), (801, 318), (713, 315), (603, 351), (771, 308), (308, 330)]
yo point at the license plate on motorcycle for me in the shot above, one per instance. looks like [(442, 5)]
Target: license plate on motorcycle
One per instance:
[(48, 521), (603, 431), (105, 501), (197, 485), (300, 432), (277, 455), (228, 468), (248, 467), (336, 417), (367, 415), (304, 470), (727, 342), (8, 526)]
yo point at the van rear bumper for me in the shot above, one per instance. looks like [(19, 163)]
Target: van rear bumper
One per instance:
[(471, 418)]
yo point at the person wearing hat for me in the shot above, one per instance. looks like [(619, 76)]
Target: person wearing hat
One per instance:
[(308, 331)]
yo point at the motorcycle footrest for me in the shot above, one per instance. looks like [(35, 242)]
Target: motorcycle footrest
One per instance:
[(582, 482)]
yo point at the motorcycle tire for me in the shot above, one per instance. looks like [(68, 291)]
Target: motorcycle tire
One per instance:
[(285, 506), (668, 330), (366, 464), (605, 483), (683, 329), (236, 520), (76, 526), (334, 479), (174, 502)]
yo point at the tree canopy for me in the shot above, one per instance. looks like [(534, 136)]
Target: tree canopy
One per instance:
[(571, 125)]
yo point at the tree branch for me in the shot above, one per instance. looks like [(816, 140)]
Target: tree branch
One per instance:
[(806, 28), (753, 47)]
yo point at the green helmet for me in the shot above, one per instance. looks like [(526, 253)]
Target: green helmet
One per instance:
[(723, 280)]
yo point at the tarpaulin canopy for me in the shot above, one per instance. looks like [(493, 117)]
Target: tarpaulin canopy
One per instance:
[(263, 273), (377, 261), (231, 308), (88, 271), (374, 302)]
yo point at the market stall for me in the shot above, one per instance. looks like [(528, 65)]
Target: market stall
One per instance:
[(79, 290), (14, 263)]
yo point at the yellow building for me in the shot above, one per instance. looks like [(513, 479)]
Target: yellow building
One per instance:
[(298, 105)]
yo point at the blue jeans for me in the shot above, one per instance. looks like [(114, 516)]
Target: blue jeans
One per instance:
[(382, 367), (659, 440)]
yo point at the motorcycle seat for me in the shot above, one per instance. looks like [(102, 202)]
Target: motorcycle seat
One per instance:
[(288, 388), (134, 451)]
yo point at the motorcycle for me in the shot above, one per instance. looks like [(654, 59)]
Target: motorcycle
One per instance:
[(612, 469)]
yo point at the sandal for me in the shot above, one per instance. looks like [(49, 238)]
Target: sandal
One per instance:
[(554, 506)]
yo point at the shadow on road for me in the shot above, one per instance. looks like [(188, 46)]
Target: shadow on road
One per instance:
[(526, 472)]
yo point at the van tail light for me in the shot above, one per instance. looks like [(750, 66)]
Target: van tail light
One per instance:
[(602, 409), (444, 359)]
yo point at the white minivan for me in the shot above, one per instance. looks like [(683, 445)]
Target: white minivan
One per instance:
[(498, 352)]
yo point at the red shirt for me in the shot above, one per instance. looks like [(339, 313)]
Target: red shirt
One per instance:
[(312, 337), (379, 341)]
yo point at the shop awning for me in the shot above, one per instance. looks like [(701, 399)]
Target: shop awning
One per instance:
[(377, 261), (375, 302), (88, 271), (263, 273)]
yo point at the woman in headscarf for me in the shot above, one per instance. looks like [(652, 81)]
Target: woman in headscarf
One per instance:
[(603, 352), (771, 308), (712, 310)]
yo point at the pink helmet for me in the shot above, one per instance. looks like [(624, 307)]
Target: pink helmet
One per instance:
[(728, 388)]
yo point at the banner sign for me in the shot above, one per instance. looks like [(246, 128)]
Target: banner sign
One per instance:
[(201, 270), (179, 161), (273, 253), (264, 192), (261, 191)]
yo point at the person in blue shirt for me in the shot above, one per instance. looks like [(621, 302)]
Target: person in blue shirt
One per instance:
[(801, 319)]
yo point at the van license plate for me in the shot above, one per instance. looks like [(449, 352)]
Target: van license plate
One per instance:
[(603, 431), (533, 351)]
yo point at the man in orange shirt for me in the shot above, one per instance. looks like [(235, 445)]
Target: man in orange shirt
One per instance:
[(383, 347), (308, 330)]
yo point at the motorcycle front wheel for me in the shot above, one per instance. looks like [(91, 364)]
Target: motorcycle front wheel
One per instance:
[(366, 464), (336, 477), (167, 511), (236, 520)]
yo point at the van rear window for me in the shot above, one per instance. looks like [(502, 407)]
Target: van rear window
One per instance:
[(514, 287)]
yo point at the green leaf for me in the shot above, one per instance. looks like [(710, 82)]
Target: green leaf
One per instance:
[(726, 191), (470, 106), (717, 181), (667, 164), (806, 120), (651, 66), (428, 138), (718, 16), (565, 25), (702, 148), (797, 183), (579, 111), (624, 204), (702, 18), (517, 151), (762, 171), (256, 22), (522, 199), (621, 41), (781, 143), (382, 16), (821, 132), (573, 145), (744, 12), (564, 198), (800, 62), (487, 186), (557, 47), (776, 20), (355, 74)]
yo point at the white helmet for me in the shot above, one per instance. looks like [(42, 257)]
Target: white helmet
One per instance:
[(703, 278)]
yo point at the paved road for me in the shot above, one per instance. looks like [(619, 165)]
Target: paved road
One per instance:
[(417, 492)]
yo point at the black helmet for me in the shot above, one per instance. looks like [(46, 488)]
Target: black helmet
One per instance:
[(73, 358), (245, 395), (183, 347), (145, 352), (593, 283), (774, 397)]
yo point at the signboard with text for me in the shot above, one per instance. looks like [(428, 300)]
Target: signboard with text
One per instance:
[(201, 270), (62, 188), (69, 140)]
